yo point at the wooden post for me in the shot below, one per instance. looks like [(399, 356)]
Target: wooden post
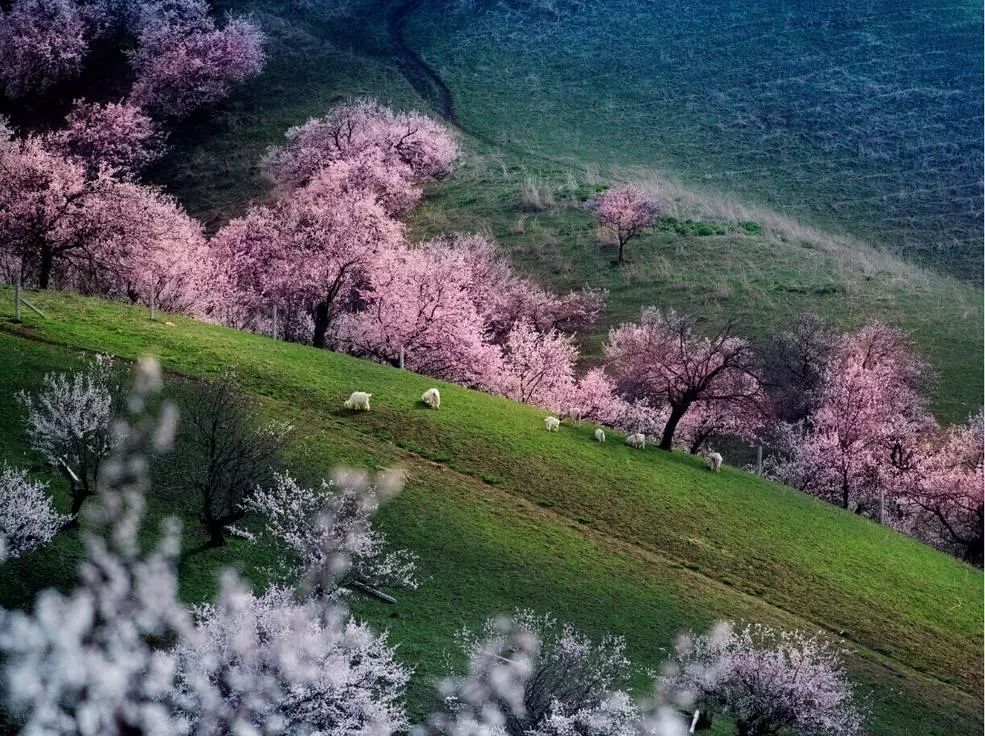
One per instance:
[(759, 459), (17, 297), (273, 327), (153, 304), (401, 357), (882, 505)]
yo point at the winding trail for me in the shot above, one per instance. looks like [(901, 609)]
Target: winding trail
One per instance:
[(418, 72)]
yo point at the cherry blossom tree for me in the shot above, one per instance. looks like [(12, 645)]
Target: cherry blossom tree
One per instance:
[(420, 300), (859, 446), (537, 367), (314, 524), (27, 518), (506, 298), (114, 135), (183, 61), (661, 360), (97, 234), (306, 255), (280, 665), (42, 42), (745, 419), (69, 421), (768, 681), (596, 399), (627, 212), (945, 501), (411, 145)]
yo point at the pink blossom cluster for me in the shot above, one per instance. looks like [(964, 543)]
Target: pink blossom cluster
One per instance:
[(871, 445), (182, 59)]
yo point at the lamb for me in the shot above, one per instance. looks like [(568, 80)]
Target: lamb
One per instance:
[(600, 435), (574, 414), (432, 397), (637, 440), (358, 401), (552, 423), (714, 462)]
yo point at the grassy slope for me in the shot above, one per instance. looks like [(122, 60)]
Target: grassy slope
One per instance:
[(766, 278), (504, 514)]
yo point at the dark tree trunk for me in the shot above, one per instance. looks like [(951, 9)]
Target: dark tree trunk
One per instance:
[(622, 246), (676, 413), (217, 535), (321, 325), (45, 268)]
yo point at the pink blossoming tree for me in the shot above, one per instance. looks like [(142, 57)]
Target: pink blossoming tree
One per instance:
[(41, 43), (115, 135), (626, 212), (184, 61), (661, 361), (409, 144)]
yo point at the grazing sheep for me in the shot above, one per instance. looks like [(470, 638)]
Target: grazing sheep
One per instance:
[(432, 397), (714, 462), (600, 435), (574, 414), (552, 423), (637, 440), (358, 401)]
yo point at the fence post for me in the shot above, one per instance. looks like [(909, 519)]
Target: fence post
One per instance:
[(401, 356), (273, 328), (17, 297), (153, 304), (882, 505), (759, 459)]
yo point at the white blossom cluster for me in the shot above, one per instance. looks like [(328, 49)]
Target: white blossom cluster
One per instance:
[(329, 531), (27, 518), (768, 680), (271, 664)]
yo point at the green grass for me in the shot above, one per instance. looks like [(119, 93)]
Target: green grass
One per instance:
[(730, 259), (504, 514)]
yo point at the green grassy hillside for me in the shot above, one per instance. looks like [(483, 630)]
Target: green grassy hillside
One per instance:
[(524, 177), (504, 514)]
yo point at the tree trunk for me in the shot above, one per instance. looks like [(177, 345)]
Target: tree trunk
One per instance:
[(676, 413), (622, 245), (321, 325), (45, 268), (217, 535)]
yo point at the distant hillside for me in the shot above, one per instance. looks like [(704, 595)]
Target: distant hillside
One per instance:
[(504, 514)]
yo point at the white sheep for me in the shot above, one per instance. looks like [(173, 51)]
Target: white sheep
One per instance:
[(358, 401), (552, 423), (574, 413), (432, 397), (714, 461), (600, 435), (637, 440)]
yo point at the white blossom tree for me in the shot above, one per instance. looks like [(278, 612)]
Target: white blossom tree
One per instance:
[(572, 675), (69, 421), (272, 664), (334, 522), (27, 518), (768, 681)]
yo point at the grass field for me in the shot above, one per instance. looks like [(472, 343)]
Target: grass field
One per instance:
[(733, 259), (503, 514)]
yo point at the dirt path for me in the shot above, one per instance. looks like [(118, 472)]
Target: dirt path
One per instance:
[(418, 72)]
